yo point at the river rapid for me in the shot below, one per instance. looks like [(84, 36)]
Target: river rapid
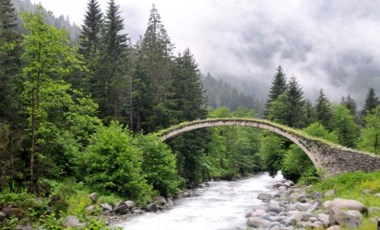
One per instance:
[(220, 206)]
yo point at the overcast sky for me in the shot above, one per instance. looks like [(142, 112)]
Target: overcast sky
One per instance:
[(330, 44)]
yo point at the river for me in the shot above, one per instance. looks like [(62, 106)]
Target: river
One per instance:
[(220, 206)]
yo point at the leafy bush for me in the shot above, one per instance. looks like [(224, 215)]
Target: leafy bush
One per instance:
[(113, 164), (159, 165)]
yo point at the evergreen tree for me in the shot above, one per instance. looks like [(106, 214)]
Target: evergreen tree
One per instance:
[(343, 123), (187, 88), (110, 84), (323, 111), (11, 123), (288, 108), (350, 104), (157, 51), (91, 28), (371, 102), (10, 53), (278, 87)]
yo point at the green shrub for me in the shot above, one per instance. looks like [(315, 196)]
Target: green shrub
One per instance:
[(113, 164), (159, 165)]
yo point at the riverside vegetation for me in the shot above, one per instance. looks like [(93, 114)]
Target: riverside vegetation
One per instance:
[(75, 119)]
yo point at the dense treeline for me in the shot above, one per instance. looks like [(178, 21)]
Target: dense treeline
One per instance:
[(56, 100), (340, 123), (86, 113)]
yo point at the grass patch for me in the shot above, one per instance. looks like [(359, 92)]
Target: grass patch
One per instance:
[(351, 186)]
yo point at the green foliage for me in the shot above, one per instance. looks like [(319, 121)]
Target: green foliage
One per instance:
[(316, 129), (323, 113), (159, 165), (343, 186), (277, 88), (370, 134), (233, 150), (272, 152), (113, 164), (343, 123), (289, 107), (293, 159), (371, 102)]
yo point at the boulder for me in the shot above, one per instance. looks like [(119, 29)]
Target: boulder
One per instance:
[(2, 216), (151, 207), (121, 208), (295, 218), (137, 211), (169, 203), (330, 193), (93, 197), (294, 197), (274, 206), (325, 219), (316, 195), (106, 207), (264, 196), (377, 194), (313, 207), (186, 194), (257, 207), (282, 188), (351, 218), (160, 200), (259, 212), (345, 204), (130, 204), (257, 222), (302, 206), (289, 183), (73, 222), (16, 212)]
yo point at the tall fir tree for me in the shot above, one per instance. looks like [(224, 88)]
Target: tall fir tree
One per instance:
[(323, 111), (158, 62), (187, 88), (289, 107), (11, 123), (110, 83), (371, 102), (91, 28), (10, 53), (189, 105), (277, 88), (350, 104)]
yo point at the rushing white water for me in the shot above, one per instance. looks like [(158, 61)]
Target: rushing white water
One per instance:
[(221, 206)]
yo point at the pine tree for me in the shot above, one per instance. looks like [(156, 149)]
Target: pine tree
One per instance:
[(110, 83), (288, 108), (187, 88), (91, 28), (10, 53), (323, 111), (371, 102), (157, 51), (350, 104), (278, 87)]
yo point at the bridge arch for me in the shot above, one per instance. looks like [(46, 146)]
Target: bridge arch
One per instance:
[(332, 159)]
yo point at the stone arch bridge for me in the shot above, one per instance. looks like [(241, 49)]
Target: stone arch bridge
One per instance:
[(331, 158)]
